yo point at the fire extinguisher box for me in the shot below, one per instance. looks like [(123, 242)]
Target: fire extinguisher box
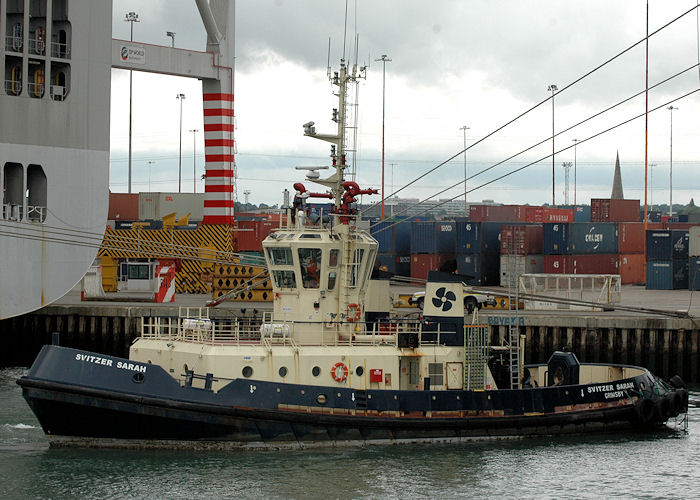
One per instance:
[(376, 375)]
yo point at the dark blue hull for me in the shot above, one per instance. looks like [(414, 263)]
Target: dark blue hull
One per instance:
[(123, 403)]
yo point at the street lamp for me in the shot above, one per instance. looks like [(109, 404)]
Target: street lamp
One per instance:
[(384, 60), (575, 141), (131, 17), (670, 169), (181, 97), (171, 34), (194, 159), (150, 164), (464, 129), (552, 88)]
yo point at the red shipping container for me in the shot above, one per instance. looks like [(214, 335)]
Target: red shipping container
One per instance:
[(497, 213), (557, 214), (123, 206), (683, 226), (251, 234), (632, 269), (521, 240), (558, 264), (421, 263), (609, 210), (632, 238), (581, 264)]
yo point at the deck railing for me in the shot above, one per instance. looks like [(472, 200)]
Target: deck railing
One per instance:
[(198, 328)]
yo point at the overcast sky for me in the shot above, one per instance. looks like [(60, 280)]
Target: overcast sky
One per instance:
[(477, 63)]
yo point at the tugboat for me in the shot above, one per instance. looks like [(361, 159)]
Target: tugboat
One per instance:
[(330, 365)]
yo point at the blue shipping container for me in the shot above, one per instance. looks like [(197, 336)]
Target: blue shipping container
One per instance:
[(555, 239), (433, 237), (582, 213), (478, 237), (694, 273), (397, 264), (479, 269), (667, 275), (392, 237), (666, 244), (593, 237)]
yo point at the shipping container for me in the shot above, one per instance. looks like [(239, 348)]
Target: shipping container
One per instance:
[(548, 214), (632, 269), (632, 237), (521, 239), (555, 239), (666, 244), (667, 275), (421, 263), (249, 235), (512, 266), (479, 269), (611, 210), (694, 273), (593, 238), (681, 226), (158, 205), (398, 264), (558, 264), (694, 241), (497, 213), (433, 237), (581, 264), (582, 213), (478, 237), (392, 236), (123, 206)]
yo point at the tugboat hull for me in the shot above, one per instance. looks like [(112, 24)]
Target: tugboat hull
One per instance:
[(91, 400)]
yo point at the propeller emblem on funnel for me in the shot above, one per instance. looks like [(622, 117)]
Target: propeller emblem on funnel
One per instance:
[(444, 300)]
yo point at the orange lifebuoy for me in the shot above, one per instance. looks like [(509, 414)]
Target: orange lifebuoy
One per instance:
[(358, 312), (339, 372)]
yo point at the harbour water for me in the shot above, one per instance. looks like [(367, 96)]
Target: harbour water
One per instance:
[(662, 465)]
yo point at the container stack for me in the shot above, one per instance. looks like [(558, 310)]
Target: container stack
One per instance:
[(694, 258), (580, 248), (432, 246), (631, 245), (394, 238), (521, 252), (477, 249), (667, 259)]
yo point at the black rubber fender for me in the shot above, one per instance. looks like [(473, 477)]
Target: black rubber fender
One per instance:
[(676, 399), (684, 398), (663, 409), (645, 410), (677, 382)]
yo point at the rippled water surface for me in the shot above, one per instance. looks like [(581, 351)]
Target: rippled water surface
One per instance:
[(663, 465)]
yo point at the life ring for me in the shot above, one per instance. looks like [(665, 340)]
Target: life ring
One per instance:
[(339, 372), (357, 314)]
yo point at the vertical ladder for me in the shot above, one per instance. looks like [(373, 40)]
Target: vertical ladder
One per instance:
[(513, 331)]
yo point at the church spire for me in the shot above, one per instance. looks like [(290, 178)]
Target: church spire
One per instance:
[(617, 181)]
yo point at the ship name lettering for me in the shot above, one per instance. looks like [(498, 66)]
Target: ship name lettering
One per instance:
[(131, 366), (625, 385), (600, 388), (93, 359), (615, 394)]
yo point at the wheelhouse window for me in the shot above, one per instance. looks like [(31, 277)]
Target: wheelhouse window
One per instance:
[(310, 262), (332, 276), (284, 279), (355, 268), (333, 258), (280, 256)]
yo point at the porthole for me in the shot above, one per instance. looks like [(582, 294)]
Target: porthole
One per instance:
[(359, 371), (316, 371), (247, 371), (283, 371), (138, 377), (321, 399)]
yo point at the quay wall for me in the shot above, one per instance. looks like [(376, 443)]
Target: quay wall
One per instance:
[(667, 346)]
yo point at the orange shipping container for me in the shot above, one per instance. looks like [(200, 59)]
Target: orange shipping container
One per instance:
[(123, 206), (632, 269), (632, 238)]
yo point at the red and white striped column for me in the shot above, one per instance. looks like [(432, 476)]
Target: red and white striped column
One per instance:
[(218, 148)]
